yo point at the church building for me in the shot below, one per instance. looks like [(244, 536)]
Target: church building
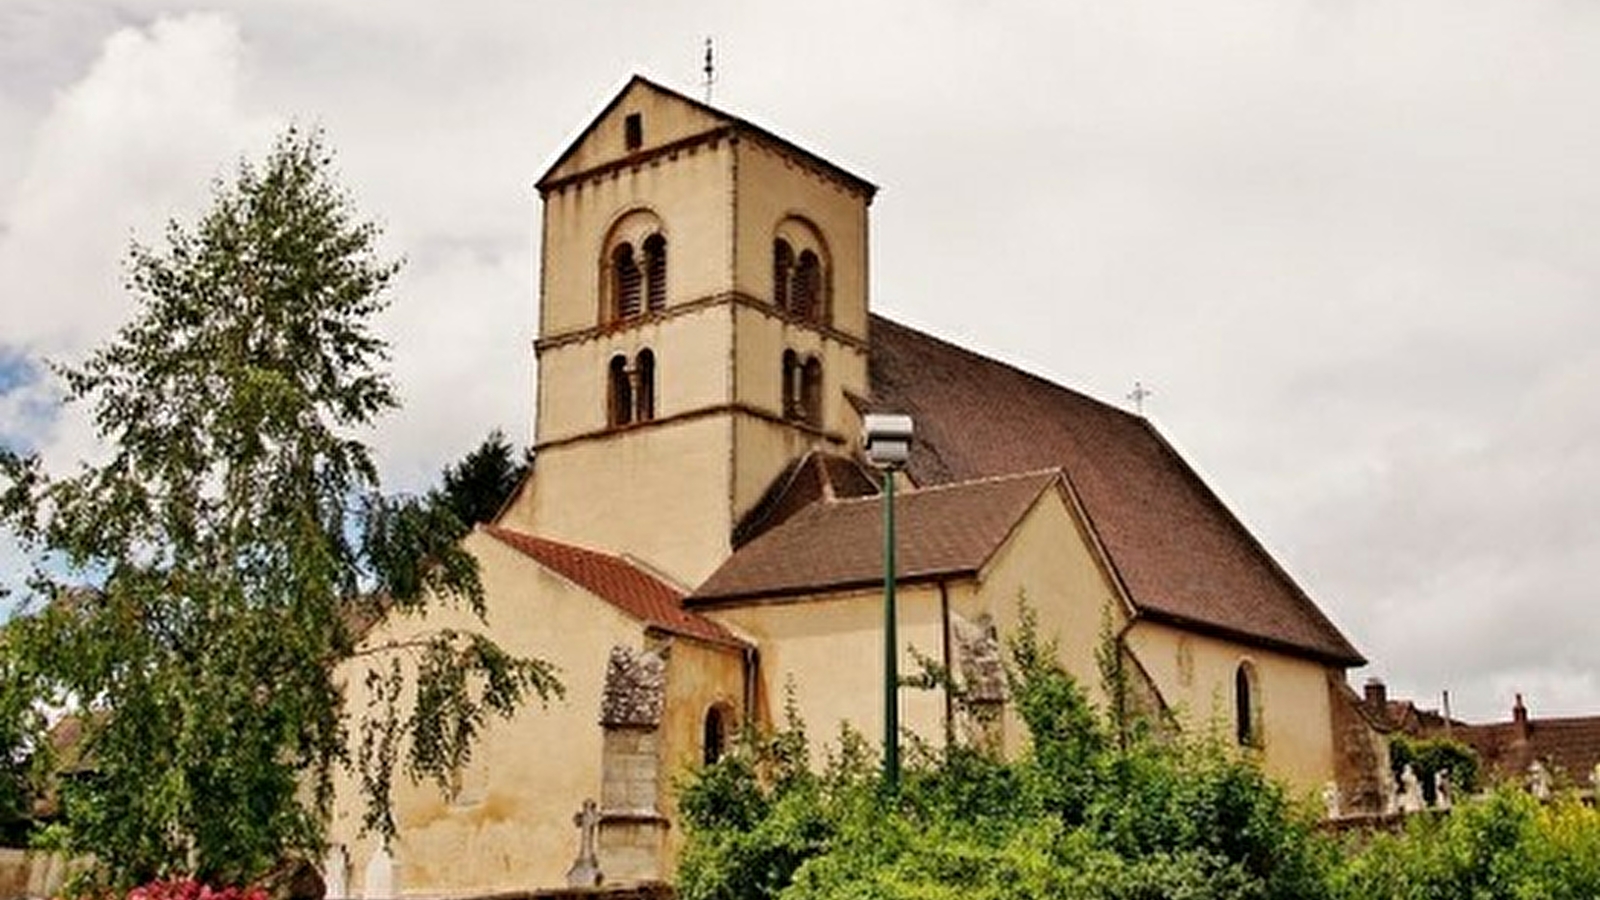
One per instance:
[(702, 536)]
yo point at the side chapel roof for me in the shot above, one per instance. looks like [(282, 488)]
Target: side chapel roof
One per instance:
[(838, 544), (1178, 551), (613, 579)]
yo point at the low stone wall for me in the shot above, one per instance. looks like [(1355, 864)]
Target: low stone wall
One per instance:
[(24, 874), (14, 869)]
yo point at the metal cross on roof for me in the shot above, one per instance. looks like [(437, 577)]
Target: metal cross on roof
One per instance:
[(1138, 394)]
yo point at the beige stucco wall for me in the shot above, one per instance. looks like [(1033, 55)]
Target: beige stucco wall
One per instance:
[(772, 187), (1195, 673), (693, 371), (699, 675), (1048, 561), (689, 193), (830, 648), (510, 826), (658, 494)]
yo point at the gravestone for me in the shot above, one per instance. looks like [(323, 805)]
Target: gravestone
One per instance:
[(585, 871)]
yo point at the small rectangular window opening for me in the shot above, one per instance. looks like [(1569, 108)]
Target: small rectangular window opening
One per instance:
[(633, 131)]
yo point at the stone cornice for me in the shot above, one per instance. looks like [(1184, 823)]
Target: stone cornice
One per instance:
[(721, 409), (726, 298)]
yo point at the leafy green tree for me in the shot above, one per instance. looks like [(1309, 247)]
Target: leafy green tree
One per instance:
[(20, 727), (480, 484), (1429, 756), (1092, 810), (237, 542)]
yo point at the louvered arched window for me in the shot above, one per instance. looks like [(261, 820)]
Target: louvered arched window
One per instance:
[(792, 406), (625, 282), (633, 267), (655, 266), (811, 391), (806, 288), (645, 401), (782, 271), (800, 277), (619, 400)]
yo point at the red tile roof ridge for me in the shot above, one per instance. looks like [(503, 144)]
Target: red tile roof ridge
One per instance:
[(633, 589)]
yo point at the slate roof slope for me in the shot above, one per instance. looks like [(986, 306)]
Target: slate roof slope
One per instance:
[(818, 475), (832, 545), (618, 582), (1180, 554)]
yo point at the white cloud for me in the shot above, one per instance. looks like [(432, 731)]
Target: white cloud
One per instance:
[(1353, 246)]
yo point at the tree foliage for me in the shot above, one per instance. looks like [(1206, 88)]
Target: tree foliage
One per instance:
[(1090, 811), (237, 542), (1429, 756), (476, 487), (1094, 810)]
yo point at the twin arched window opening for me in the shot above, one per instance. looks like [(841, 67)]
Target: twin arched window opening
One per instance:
[(802, 388), (631, 389), (638, 277), (798, 283)]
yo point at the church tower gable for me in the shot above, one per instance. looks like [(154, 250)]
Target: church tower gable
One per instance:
[(644, 119)]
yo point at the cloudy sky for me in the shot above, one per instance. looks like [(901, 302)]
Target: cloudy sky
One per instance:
[(1352, 246)]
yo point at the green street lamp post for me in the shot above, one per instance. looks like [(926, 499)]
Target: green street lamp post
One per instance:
[(886, 439)]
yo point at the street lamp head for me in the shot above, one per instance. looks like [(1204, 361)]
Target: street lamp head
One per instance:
[(886, 439)]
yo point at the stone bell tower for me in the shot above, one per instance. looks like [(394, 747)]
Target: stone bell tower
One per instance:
[(703, 319)]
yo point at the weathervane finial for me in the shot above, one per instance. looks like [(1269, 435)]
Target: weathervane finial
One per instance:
[(710, 70)]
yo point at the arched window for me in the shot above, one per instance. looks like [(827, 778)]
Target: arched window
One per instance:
[(792, 406), (782, 271), (811, 391), (625, 282), (655, 264), (1246, 706), (619, 404), (645, 402), (807, 288), (715, 740), (633, 267), (800, 271)]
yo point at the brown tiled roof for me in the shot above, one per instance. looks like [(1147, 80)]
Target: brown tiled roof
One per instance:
[(618, 582), (946, 530), (1178, 551), (1569, 747), (816, 476)]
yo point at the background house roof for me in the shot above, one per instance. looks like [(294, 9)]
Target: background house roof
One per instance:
[(618, 582), (1181, 555), (945, 530)]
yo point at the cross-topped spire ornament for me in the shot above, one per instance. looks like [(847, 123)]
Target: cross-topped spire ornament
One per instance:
[(1138, 395)]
